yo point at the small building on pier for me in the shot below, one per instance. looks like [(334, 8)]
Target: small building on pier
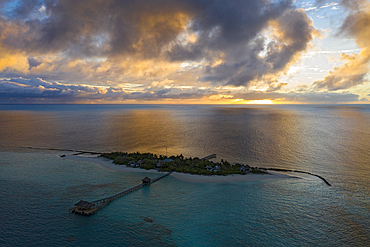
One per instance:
[(212, 156), (89, 208), (84, 205)]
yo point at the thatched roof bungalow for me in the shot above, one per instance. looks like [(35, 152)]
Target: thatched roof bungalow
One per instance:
[(84, 204)]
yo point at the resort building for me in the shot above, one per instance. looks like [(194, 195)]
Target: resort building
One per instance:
[(244, 168), (146, 180), (209, 168), (216, 168), (161, 162)]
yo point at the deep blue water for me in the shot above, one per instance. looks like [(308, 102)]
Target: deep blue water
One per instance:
[(38, 187)]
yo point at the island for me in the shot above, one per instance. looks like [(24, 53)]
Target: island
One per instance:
[(180, 164)]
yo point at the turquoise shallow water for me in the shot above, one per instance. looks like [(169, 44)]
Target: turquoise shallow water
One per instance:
[(38, 187)]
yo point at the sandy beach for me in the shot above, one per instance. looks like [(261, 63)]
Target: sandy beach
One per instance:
[(108, 164), (229, 178)]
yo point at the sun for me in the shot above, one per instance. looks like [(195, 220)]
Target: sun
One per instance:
[(260, 102), (254, 102)]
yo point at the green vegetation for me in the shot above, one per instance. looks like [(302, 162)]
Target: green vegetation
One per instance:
[(122, 160), (113, 155), (178, 164)]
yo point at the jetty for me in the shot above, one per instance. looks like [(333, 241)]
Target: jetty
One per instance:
[(288, 170), (77, 152), (88, 208), (212, 156)]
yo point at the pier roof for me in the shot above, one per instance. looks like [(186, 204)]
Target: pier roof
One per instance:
[(84, 204)]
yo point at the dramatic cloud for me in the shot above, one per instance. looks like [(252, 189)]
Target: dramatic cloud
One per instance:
[(41, 91), (290, 34), (248, 39), (151, 50), (356, 66)]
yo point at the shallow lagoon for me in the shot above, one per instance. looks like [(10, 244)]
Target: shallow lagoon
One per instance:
[(39, 188)]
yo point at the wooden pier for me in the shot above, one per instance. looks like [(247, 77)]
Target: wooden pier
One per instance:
[(89, 208), (212, 156)]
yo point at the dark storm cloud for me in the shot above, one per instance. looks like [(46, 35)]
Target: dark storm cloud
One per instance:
[(97, 27), (146, 29), (293, 33), (228, 25), (33, 62), (119, 25), (233, 28)]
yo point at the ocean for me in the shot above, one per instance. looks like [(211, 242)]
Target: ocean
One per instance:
[(38, 186)]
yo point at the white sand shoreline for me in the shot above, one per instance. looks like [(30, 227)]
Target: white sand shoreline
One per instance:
[(108, 164)]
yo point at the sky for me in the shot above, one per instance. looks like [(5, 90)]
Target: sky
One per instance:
[(184, 51)]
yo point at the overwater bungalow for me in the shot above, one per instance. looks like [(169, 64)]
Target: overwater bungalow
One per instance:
[(84, 205), (146, 180)]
